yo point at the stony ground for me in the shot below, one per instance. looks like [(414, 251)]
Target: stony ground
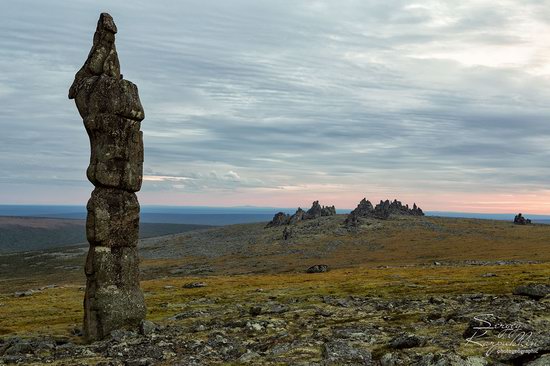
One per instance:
[(317, 330), (406, 297)]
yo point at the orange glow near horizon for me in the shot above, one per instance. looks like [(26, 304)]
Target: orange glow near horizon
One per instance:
[(533, 203)]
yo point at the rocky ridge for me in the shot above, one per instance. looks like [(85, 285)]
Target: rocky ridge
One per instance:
[(381, 211), (316, 211)]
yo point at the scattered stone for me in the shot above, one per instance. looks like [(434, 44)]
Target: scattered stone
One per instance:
[(147, 327), (112, 114), (145, 361), (194, 285), (519, 219), (535, 291), (391, 359), (489, 274), (277, 309), (122, 334), (257, 327), (406, 341), (450, 359), (318, 268), (21, 347), (541, 361), (255, 310), (248, 356), (24, 293), (343, 353)]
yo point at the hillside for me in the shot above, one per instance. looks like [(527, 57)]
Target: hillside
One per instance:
[(252, 248), (38, 233), (402, 291)]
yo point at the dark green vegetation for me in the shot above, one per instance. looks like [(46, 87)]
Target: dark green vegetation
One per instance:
[(36, 233)]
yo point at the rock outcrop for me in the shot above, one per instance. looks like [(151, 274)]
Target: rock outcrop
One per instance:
[(314, 212), (519, 219), (112, 114), (381, 211)]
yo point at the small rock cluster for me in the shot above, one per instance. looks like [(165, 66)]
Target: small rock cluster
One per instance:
[(314, 212), (519, 219), (381, 211)]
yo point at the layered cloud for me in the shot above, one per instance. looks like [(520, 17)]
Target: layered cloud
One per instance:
[(278, 103)]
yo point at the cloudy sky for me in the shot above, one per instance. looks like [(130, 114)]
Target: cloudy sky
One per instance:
[(278, 103)]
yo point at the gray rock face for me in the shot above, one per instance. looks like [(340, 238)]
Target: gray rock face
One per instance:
[(112, 114), (279, 219), (381, 211), (314, 212)]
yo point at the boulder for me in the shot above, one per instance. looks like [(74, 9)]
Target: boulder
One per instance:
[(287, 233), (318, 268), (406, 341), (195, 285), (535, 291)]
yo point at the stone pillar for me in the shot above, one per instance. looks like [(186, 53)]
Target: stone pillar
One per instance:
[(112, 114)]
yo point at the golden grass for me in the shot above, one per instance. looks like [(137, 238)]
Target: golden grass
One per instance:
[(56, 311)]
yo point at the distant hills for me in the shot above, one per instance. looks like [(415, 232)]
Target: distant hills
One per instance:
[(36, 233), (37, 227), (203, 215)]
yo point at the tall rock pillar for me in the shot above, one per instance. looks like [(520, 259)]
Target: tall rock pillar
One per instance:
[(112, 114)]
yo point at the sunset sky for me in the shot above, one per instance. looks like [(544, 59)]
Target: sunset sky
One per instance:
[(278, 103)]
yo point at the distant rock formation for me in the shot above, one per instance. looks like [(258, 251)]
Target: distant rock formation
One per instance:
[(381, 211), (112, 114), (519, 219), (314, 212)]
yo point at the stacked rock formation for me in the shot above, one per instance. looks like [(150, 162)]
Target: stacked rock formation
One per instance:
[(112, 114), (519, 219), (381, 211), (314, 212)]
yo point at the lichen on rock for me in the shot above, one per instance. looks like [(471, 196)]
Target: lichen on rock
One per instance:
[(112, 113)]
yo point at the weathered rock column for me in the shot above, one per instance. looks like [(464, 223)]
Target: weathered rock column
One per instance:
[(112, 114)]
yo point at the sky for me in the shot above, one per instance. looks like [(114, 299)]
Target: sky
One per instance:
[(279, 103)]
